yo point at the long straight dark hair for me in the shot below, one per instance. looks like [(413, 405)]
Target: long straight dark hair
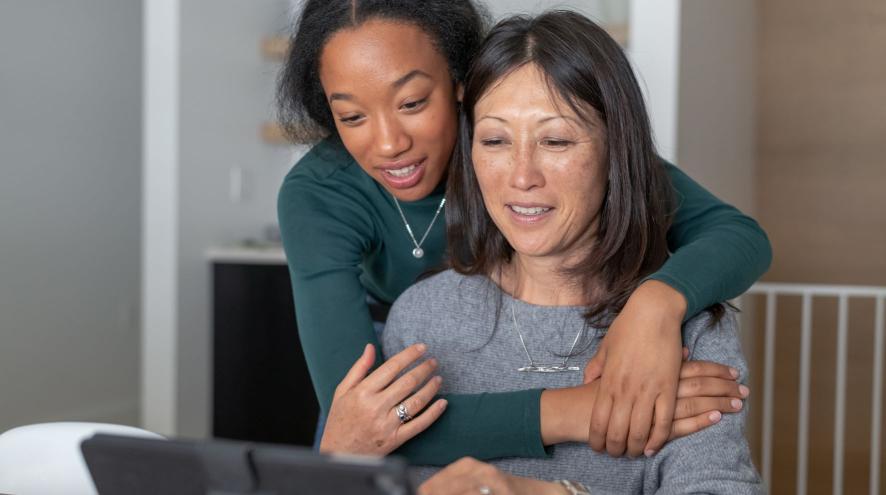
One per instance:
[(588, 70)]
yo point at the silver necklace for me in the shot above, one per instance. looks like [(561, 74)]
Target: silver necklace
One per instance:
[(418, 252), (544, 368)]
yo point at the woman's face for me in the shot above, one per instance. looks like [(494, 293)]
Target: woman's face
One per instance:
[(541, 168), (394, 104)]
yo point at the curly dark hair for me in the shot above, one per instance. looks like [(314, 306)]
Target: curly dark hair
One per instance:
[(456, 27)]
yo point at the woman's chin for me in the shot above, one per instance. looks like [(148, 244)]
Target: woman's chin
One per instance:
[(530, 250)]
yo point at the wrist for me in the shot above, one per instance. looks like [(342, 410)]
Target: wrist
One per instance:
[(566, 413), (529, 486), (661, 296)]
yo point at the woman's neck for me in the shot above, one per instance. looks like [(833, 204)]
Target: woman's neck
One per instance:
[(540, 280)]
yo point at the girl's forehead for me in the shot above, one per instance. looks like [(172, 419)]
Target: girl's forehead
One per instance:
[(387, 50)]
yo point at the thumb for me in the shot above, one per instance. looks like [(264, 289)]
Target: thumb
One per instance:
[(594, 368)]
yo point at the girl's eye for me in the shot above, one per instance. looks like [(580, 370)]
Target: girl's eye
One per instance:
[(351, 119), (414, 105)]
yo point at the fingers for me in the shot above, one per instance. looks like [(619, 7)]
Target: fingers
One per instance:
[(416, 405), (688, 426), (711, 387), (386, 373), (707, 368), (358, 370), (409, 382), (599, 422), (421, 423), (661, 423), (694, 406), (464, 476), (619, 423), (641, 422), (594, 368)]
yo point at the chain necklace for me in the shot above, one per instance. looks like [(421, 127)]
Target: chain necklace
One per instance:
[(544, 368), (418, 252)]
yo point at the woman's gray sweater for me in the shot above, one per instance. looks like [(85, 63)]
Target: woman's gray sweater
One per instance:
[(456, 317)]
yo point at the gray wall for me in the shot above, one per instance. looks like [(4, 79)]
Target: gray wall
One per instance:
[(70, 130), (226, 93), (716, 121)]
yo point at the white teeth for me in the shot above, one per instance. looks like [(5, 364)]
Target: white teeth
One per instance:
[(402, 172), (538, 210)]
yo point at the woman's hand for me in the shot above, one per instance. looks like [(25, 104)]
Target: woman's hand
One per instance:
[(638, 364), (363, 418), (471, 477)]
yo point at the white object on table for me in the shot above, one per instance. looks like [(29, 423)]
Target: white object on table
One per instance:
[(45, 459)]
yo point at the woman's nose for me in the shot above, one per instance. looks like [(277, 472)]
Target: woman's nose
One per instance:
[(525, 171), (391, 139)]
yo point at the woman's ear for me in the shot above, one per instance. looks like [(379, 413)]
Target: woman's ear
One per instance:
[(459, 92)]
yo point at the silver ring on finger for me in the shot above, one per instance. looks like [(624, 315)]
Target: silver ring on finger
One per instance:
[(485, 490), (403, 413)]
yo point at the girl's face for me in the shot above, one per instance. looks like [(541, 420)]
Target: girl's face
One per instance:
[(541, 168), (394, 104)]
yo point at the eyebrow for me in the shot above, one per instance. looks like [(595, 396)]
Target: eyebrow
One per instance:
[(540, 121), (399, 83)]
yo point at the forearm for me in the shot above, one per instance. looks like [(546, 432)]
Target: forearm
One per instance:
[(332, 338), (483, 426), (718, 251)]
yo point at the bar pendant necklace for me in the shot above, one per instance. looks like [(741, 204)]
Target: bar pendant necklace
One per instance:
[(532, 367)]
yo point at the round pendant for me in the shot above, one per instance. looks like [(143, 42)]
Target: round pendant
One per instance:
[(418, 252)]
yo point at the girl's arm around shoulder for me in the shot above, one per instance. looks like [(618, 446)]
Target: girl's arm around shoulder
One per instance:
[(718, 251)]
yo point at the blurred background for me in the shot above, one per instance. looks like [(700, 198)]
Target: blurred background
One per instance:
[(141, 163)]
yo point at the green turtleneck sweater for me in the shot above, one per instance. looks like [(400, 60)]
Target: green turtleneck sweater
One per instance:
[(344, 239)]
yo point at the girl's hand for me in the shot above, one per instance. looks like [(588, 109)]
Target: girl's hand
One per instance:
[(363, 418), (638, 364), (471, 477), (705, 391)]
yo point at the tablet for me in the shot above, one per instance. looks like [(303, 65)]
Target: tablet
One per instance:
[(140, 466)]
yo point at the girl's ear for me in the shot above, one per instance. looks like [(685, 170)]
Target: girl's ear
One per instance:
[(460, 92)]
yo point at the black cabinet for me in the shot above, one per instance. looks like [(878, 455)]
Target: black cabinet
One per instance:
[(261, 388)]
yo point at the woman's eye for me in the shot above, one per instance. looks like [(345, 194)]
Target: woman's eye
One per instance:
[(556, 143), (414, 105), (492, 142)]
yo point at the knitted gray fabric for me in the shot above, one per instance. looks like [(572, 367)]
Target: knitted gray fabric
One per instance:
[(455, 316)]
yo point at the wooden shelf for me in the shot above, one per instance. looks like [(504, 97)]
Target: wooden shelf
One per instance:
[(275, 48), (273, 133), (619, 33)]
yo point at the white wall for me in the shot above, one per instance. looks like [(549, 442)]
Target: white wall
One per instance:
[(70, 81), (225, 92)]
